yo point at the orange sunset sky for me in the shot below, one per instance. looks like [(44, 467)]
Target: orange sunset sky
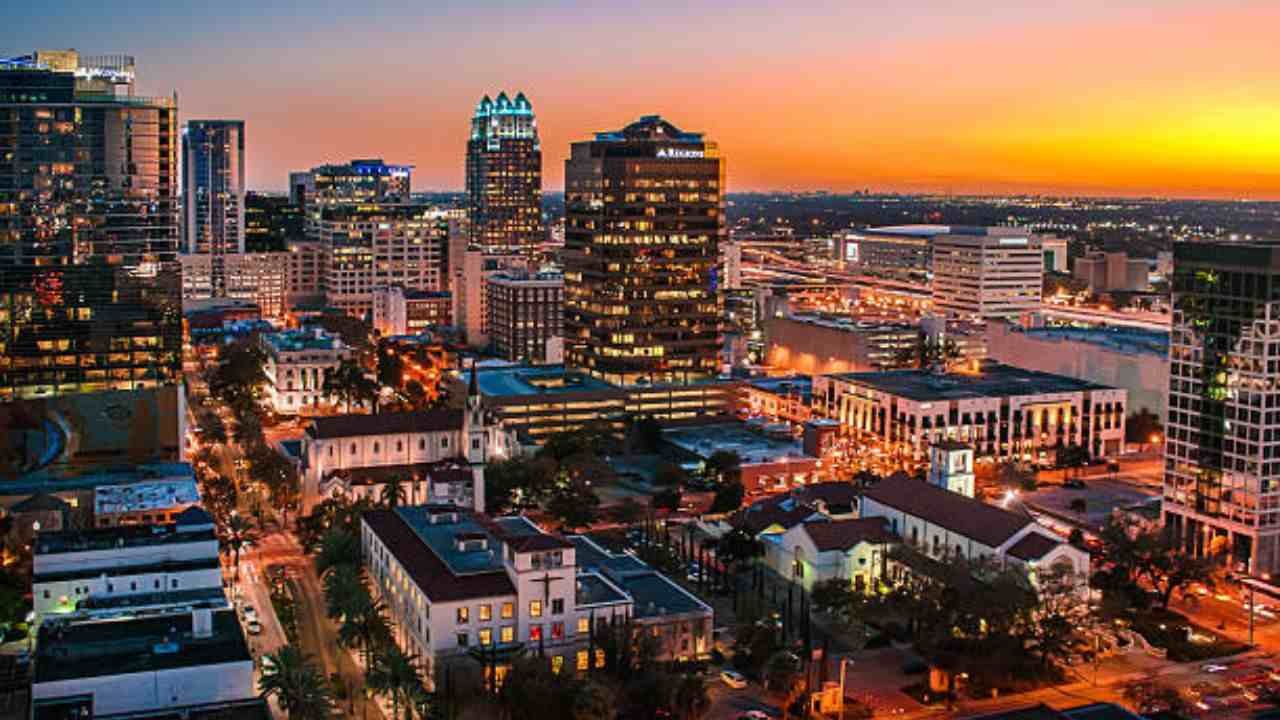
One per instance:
[(1129, 98)]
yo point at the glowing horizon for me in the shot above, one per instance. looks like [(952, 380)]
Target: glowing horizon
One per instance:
[(1170, 99)]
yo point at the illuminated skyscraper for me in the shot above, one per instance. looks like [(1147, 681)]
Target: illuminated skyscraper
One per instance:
[(504, 175), (90, 286), (213, 193), (644, 218)]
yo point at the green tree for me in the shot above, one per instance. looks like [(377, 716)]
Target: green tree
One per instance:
[(345, 590), (729, 496), (646, 434), (670, 475), (592, 701), (783, 675), (1143, 428), (239, 374), (347, 383), (1016, 475), (575, 505), (364, 625), (394, 493), (628, 511), (394, 674), (238, 531), (337, 547), (668, 499), (690, 699), (297, 685), (724, 466)]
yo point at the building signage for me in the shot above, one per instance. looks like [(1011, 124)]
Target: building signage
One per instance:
[(678, 153)]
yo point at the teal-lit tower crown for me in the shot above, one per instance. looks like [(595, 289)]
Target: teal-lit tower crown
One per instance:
[(504, 175)]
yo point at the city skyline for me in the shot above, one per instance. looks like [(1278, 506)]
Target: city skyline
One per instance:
[(1081, 100)]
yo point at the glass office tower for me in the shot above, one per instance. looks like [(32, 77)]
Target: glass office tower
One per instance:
[(90, 286), (644, 218), (504, 176), (213, 193)]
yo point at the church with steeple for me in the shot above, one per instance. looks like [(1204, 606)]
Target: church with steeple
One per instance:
[(409, 458)]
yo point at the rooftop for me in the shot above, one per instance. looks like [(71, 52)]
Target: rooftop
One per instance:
[(799, 385), (650, 127), (593, 589), (993, 381), (784, 511), (543, 380), (829, 535), (298, 340), (442, 571), (1033, 546), (652, 593), (342, 426), (1131, 340), (121, 536), (67, 651), (144, 496), (974, 519), (752, 447)]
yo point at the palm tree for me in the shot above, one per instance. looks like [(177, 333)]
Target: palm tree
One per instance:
[(297, 685), (593, 700), (337, 547), (348, 383), (364, 625), (783, 676), (395, 675), (238, 532), (394, 493), (344, 590)]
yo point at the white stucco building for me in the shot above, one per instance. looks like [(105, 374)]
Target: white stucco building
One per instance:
[(297, 361)]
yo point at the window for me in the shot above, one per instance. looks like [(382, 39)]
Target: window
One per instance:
[(535, 633), (377, 447), (599, 658), (173, 583), (486, 636), (156, 585), (557, 664), (353, 448), (444, 442), (475, 443), (133, 586), (464, 615), (486, 612), (584, 625), (557, 606), (508, 610), (557, 631), (330, 451), (422, 443), (508, 633), (464, 639), (46, 592), (584, 660), (535, 608), (399, 446)]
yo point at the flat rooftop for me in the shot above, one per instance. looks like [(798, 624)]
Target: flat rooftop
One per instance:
[(1131, 340), (119, 537), (145, 495), (544, 380), (440, 528), (798, 385), (753, 447), (994, 381), (67, 651), (309, 339), (593, 589), (652, 593)]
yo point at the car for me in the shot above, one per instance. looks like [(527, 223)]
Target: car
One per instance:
[(1213, 668), (253, 627), (754, 715), (250, 615), (733, 679), (267, 664)]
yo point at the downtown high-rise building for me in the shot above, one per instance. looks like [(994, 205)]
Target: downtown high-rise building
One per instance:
[(504, 176), (1222, 431), (90, 287), (213, 193), (644, 219)]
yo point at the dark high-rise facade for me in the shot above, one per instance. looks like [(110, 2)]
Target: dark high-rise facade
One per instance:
[(644, 217), (1222, 435), (213, 192), (504, 175), (90, 285)]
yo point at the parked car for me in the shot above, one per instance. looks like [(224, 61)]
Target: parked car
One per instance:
[(733, 679), (754, 715)]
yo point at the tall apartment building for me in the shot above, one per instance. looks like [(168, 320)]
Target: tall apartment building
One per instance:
[(985, 273), (271, 222), (1222, 449), (306, 270), (260, 277), (525, 313), (359, 181), (369, 246), (644, 209), (504, 175), (213, 192), (470, 289), (90, 290)]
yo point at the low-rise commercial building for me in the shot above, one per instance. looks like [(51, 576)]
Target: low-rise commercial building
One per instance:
[(1004, 412), (985, 273), (540, 401), (261, 278), (777, 398), (1112, 271), (194, 664), (854, 550), (525, 312), (397, 311), (144, 502), (296, 365), (74, 569), (772, 459), (1132, 359), (903, 252)]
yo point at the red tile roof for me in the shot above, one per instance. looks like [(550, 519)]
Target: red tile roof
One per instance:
[(339, 426), (426, 570), (1033, 546), (847, 534), (963, 515)]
